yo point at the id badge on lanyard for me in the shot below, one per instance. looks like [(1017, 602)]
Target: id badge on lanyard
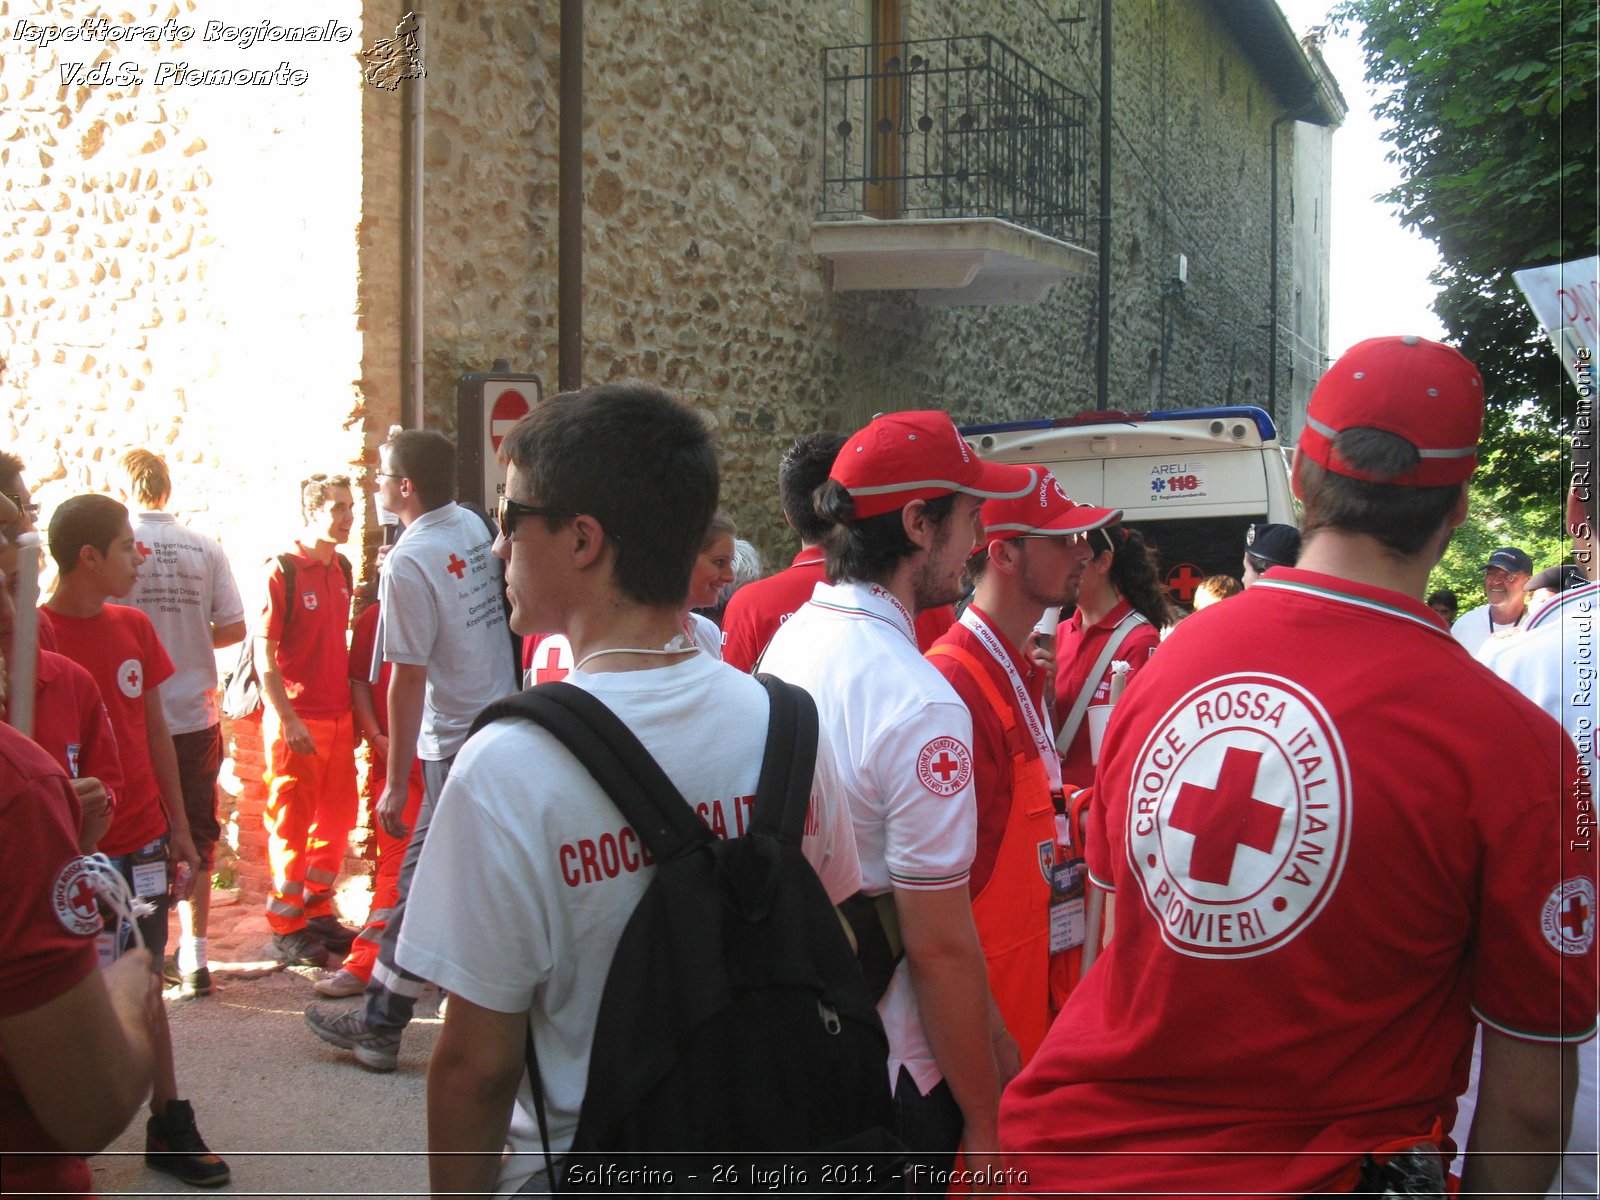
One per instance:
[(1067, 885)]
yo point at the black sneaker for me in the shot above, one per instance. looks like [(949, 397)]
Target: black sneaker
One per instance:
[(173, 1144), (336, 937), (302, 947), (198, 981)]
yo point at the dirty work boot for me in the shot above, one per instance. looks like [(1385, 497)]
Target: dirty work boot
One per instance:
[(173, 1144), (302, 947), (375, 1049), (336, 937), (344, 982)]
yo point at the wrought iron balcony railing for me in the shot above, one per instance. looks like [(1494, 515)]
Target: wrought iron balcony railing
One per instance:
[(951, 127)]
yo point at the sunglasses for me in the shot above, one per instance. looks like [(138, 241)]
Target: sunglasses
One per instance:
[(510, 512), (32, 510)]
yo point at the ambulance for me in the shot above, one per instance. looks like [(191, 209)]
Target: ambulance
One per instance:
[(1192, 480)]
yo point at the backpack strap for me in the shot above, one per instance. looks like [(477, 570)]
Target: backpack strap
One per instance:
[(286, 569), (609, 751), (348, 570), (783, 795), (1074, 719)]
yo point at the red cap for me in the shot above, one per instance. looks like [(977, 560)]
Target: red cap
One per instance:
[(1045, 511), (906, 456), (1422, 391)]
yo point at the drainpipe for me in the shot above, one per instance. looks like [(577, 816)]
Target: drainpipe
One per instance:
[(411, 195), (1272, 273), (569, 236), (1102, 344)]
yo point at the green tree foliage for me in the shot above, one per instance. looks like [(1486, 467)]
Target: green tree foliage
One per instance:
[(1492, 113)]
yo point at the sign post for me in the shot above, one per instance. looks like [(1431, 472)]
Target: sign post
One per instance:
[(488, 404)]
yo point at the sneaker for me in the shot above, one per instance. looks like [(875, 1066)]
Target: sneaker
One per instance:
[(198, 981), (341, 983), (173, 1144), (377, 1050), (171, 977), (299, 948), (336, 937)]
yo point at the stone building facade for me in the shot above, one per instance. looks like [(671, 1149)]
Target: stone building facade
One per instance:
[(210, 264)]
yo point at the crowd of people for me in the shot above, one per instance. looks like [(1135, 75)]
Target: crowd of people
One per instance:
[(1146, 905)]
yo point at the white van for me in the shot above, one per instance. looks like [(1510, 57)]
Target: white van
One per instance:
[(1192, 480)]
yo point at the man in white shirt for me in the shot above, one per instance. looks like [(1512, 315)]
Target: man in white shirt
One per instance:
[(607, 499), (902, 502), (1505, 583), (443, 626), (186, 588), (1553, 664)]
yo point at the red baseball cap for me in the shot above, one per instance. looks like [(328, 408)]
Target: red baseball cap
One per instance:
[(1422, 391), (1045, 511), (905, 456)]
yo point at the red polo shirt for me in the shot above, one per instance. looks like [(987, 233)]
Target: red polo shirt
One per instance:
[(1077, 649), (757, 609), (991, 753), (120, 649), (312, 654)]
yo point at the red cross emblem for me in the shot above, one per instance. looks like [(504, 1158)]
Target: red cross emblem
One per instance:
[(1182, 581), (456, 567), (552, 671), (143, 549), (73, 898), (1226, 817), (944, 766), (130, 678), (1568, 918)]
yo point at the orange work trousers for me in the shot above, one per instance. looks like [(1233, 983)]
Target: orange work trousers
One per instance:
[(386, 879), (311, 808)]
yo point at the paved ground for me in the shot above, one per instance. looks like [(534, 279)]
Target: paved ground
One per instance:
[(292, 1115)]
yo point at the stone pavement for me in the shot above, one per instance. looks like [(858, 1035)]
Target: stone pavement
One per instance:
[(293, 1115)]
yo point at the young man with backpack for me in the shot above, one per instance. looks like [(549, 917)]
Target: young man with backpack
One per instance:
[(608, 496), (308, 727)]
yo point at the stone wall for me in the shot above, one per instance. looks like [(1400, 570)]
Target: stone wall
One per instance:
[(702, 137), (179, 265)]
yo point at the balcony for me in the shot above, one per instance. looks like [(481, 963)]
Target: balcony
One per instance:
[(952, 167)]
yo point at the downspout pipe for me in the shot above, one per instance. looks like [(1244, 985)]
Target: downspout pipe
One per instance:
[(1272, 271), (569, 234), (1102, 344), (411, 230)]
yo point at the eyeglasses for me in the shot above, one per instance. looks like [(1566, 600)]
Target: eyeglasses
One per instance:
[(32, 510), (510, 512)]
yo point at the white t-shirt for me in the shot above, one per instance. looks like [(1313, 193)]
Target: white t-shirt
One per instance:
[(185, 587), (1553, 664), (706, 634), (901, 742), (441, 591), (1477, 625), (531, 830)]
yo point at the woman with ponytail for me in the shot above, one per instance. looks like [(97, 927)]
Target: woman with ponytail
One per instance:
[(1121, 603)]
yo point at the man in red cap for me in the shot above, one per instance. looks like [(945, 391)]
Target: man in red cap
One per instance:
[(902, 503), (1027, 875), (1326, 883)]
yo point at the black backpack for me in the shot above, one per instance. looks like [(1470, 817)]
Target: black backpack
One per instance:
[(241, 687), (735, 1019)]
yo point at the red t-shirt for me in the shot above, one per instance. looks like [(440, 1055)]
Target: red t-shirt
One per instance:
[(120, 649), (47, 928), (1077, 649), (312, 654), (757, 609), (70, 722), (1325, 874), (991, 753), (363, 639)]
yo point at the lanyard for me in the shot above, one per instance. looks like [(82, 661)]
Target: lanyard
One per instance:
[(1030, 710)]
